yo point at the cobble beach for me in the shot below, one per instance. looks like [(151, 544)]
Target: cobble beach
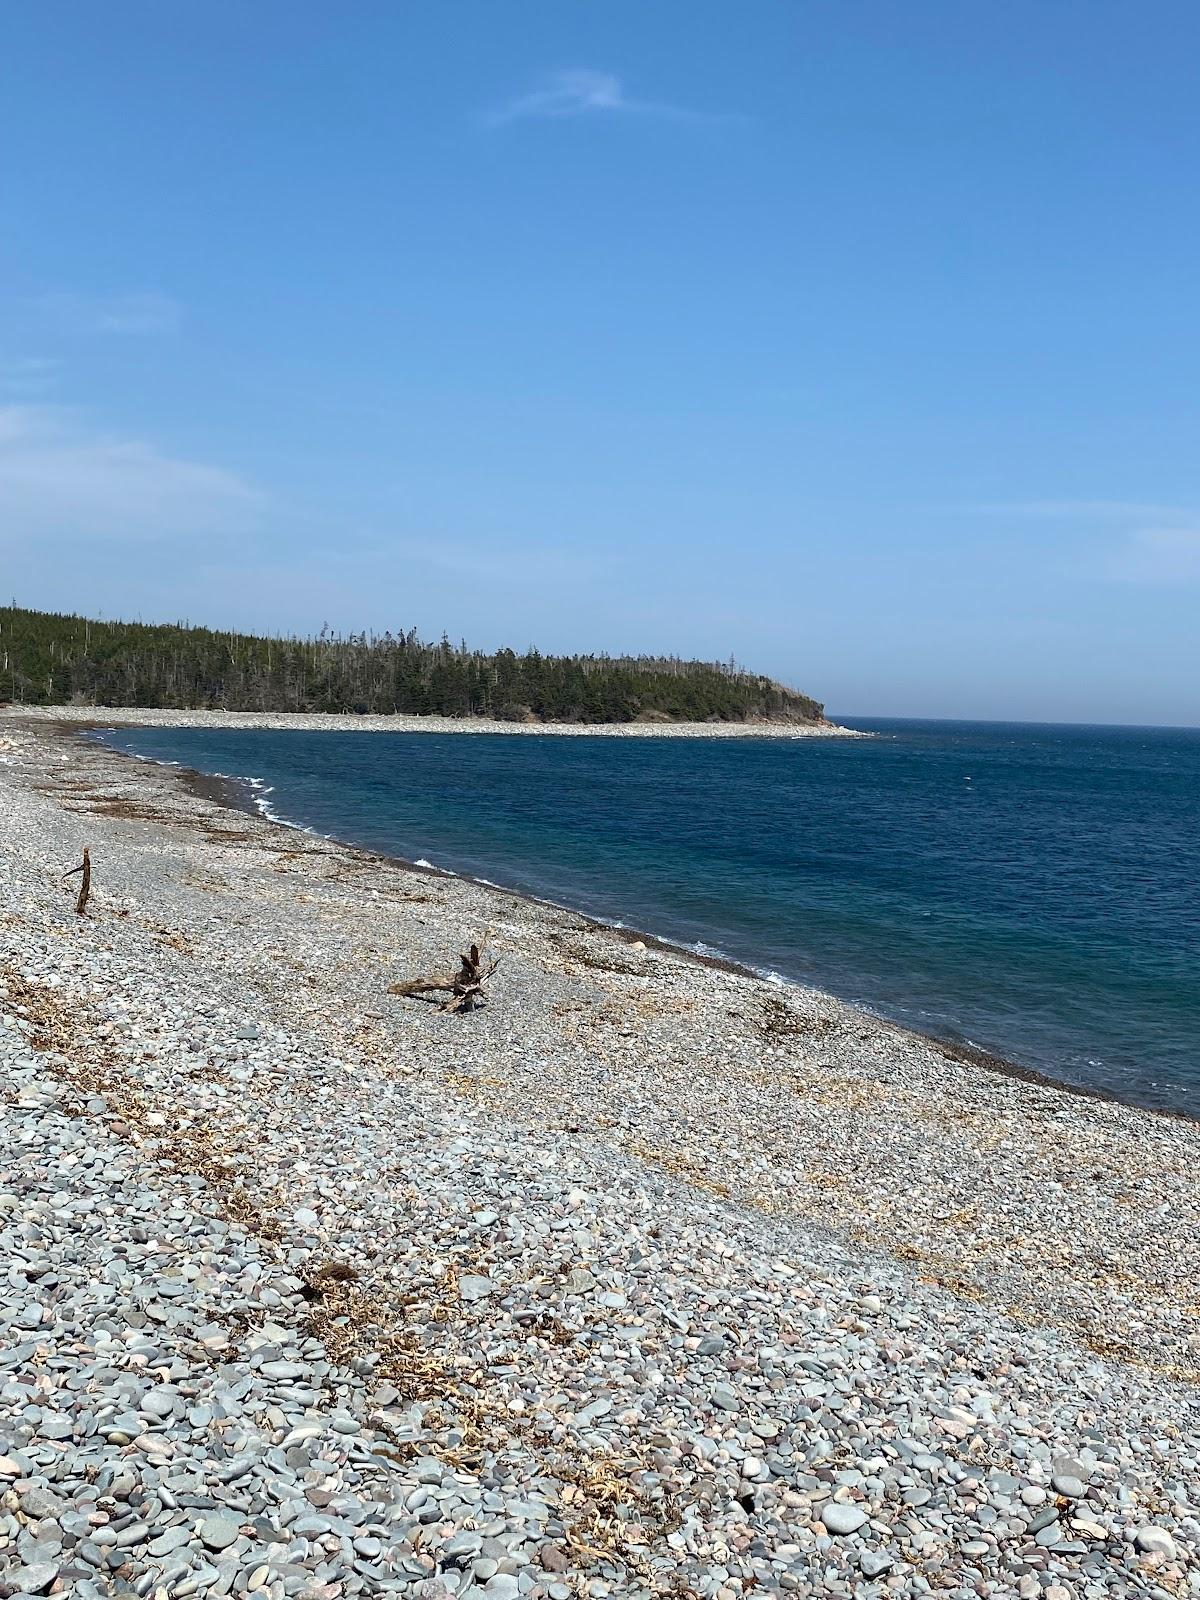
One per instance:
[(648, 1278), (400, 722)]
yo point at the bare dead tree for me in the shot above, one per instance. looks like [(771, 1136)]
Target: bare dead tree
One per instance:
[(85, 885), (463, 989)]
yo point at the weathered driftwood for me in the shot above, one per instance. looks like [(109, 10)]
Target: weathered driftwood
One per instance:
[(85, 886), (463, 989)]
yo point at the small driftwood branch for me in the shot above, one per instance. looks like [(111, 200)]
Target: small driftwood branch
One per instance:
[(463, 989), (85, 886)]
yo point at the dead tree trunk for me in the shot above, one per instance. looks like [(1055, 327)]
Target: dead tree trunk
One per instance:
[(463, 989), (85, 883)]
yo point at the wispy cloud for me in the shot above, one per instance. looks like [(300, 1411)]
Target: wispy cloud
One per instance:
[(1157, 555), (65, 480), (509, 564), (148, 312), (1114, 510), (29, 377), (581, 91), (1127, 541), (139, 313)]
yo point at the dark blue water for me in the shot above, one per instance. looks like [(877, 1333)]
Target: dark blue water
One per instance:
[(1032, 889)]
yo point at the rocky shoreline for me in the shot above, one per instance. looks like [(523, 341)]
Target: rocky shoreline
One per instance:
[(321, 722), (651, 1278)]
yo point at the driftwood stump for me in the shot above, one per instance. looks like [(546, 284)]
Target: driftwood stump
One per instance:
[(85, 884), (463, 989)]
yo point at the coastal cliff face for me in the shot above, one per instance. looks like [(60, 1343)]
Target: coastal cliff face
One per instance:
[(648, 1278)]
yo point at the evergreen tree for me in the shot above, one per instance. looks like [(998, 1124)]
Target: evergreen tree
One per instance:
[(52, 659)]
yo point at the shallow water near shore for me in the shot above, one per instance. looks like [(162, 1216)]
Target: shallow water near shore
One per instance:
[(1032, 889)]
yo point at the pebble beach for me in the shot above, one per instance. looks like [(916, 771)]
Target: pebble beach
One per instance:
[(648, 1278), (401, 722)]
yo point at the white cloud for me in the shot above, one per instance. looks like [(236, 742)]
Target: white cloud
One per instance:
[(581, 90), (131, 314), (62, 480)]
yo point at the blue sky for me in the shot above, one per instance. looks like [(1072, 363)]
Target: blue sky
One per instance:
[(857, 340)]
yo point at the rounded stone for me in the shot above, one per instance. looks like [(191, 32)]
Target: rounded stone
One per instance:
[(1069, 1487), (1152, 1540), (218, 1533), (843, 1519)]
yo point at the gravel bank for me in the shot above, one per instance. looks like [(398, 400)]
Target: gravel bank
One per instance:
[(318, 722), (648, 1279)]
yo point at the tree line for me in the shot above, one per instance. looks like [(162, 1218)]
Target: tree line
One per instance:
[(48, 658)]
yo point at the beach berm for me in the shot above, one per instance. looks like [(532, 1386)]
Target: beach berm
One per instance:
[(399, 722), (645, 1278)]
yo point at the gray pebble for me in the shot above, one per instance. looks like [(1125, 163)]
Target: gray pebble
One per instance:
[(218, 1533), (1156, 1540), (843, 1519), (874, 1563)]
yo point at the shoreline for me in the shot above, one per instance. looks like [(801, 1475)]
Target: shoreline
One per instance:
[(650, 1278), (238, 795), (404, 722)]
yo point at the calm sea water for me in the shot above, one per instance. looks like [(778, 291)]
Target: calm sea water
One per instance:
[(1032, 889)]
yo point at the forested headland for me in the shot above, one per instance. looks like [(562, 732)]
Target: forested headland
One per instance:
[(47, 658)]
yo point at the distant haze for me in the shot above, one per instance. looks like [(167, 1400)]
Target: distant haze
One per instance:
[(859, 342)]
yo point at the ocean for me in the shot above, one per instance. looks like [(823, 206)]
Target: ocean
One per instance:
[(1033, 890)]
